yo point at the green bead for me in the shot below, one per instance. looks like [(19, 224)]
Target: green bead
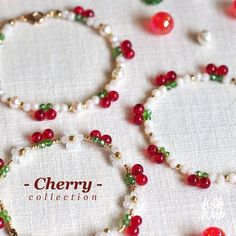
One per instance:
[(171, 85), (7, 219), (217, 78), (42, 145), (6, 169), (42, 107), (102, 94), (78, 17), (129, 179), (4, 213), (126, 219), (101, 142), (2, 36), (152, 2), (116, 52), (49, 106), (199, 173), (147, 114), (95, 139), (204, 174), (164, 152), (48, 142)]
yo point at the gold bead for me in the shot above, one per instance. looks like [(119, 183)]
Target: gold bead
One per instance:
[(227, 177), (150, 134), (118, 155), (21, 105), (22, 151), (134, 199), (70, 107), (12, 22), (72, 138), (106, 230), (9, 100), (178, 167)]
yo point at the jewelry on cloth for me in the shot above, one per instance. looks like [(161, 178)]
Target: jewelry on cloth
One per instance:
[(142, 114), (133, 176), (121, 50)]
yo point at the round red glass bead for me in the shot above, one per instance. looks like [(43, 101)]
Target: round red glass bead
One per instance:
[(51, 114), (78, 10), (222, 70), (105, 102), (132, 231), (141, 179), (107, 139), (40, 115), (95, 133), (152, 150), (113, 95), (2, 223), (137, 169), (211, 69), (36, 137), (193, 180), (138, 119), (162, 23), (1, 163), (138, 109), (159, 158), (213, 231), (171, 76), (48, 134), (89, 13), (126, 44), (161, 80), (136, 221), (128, 53), (205, 182)]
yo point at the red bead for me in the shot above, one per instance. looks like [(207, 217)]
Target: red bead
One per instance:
[(162, 23), (126, 44), (171, 76), (141, 179), (159, 158), (205, 182), (138, 119), (107, 139), (2, 223), (213, 231), (51, 114), (128, 53), (137, 169), (138, 109), (89, 13), (136, 221), (95, 133), (160, 80), (105, 102), (113, 96), (152, 150), (39, 115), (193, 180), (48, 134), (132, 231), (222, 70), (78, 10), (211, 69), (1, 163), (36, 137)]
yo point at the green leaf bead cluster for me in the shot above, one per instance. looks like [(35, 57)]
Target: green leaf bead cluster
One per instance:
[(147, 114), (45, 107), (217, 78), (98, 141), (102, 94), (163, 151), (130, 179), (5, 216), (116, 52), (45, 143), (80, 18), (201, 174), (152, 2), (126, 219), (171, 85), (4, 170)]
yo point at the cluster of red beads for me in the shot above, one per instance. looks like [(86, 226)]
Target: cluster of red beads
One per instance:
[(213, 231), (85, 13), (138, 111), (38, 137), (196, 181), (212, 69), (155, 155), (42, 114), (137, 171), (133, 228), (167, 78), (111, 96), (105, 137), (126, 49)]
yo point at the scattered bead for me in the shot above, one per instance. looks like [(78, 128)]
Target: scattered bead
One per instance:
[(204, 37)]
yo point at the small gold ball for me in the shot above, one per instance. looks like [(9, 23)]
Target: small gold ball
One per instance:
[(72, 138), (106, 230), (134, 199), (70, 107), (226, 177), (178, 167), (12, 22), (22, 151), (118, 155)]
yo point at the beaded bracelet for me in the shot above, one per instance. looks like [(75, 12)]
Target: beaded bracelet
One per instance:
[(121, 50), (133, 176), (142, 114)]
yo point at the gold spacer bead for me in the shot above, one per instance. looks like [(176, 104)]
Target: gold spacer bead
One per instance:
[(118, 155), (106, 230), (12, 22), (122, 228), (22, 151), (9, 100), (21, 105), (150, 134), (70, 107), (178, 167), (134, 199), (35, 146), (72, 138), (226, 177)]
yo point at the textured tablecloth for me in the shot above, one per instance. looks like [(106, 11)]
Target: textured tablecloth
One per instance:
[(60, 61)]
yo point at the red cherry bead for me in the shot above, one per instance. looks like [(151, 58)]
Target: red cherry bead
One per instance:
[(193, 180), (213, 231), (159, 158), (105, 102), (89, 13), (137, 169), (152, 149), (138, 119), (128, 53), (205, 182), (51, 114), (95, 133), (161, 80), (138, 109), (2, 223), (1, 163), (222, 70), (171, 76), (132, 231), (211, 69), (107, 139), (78, 10), (136, 221), (36, 137), (126, 44), (141, 179), (113, 96), (162, 23), (40, 115), (48, 134)]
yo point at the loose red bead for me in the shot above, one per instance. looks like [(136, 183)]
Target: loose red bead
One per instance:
[(138, 109), (162, 23), (171, 76), (132, 231), (113, 96), (36, 137), (128, 53), (159, 158), (138, 119), (136, 221), (105, 102), (213, 231), (89, 13), (137, 169), (205, 182), (211, 69), (161, 80), (1, 163), (141, 179), (125, 44), (107, 139), (78, 10), (193, 180), (95, 133), (152, 150), (222, 70), (51, 114), (2, 223), (40, 115), (48, 134)]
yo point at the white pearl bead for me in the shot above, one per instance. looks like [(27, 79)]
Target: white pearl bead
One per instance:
[(35, 106), (184, 169), (204, 37), (187, 78), (105, 30), (169, 159), (1, 92), (121, 65), (227, 80), (151, 100), (96, 100), (127, 204), (63, 107), (118, 73), (56, 107), (220, 179), (163, 89), (27, 106), (147, 105), (77, 107), (179, 81), (71, 16), (212, 177), (173, 164), (4, 98), (120, 59), (90, 21), (156, 93), (205, 77), (114, 39), (198, 77), (89, 104), (153, 139), (232, 178), (14, 103), (65, 14), (147, 130), (96, 24)]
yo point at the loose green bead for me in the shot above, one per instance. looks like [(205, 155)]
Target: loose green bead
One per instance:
[(2, 36)]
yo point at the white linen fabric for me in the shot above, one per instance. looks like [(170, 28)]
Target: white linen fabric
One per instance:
[(62, 61)]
